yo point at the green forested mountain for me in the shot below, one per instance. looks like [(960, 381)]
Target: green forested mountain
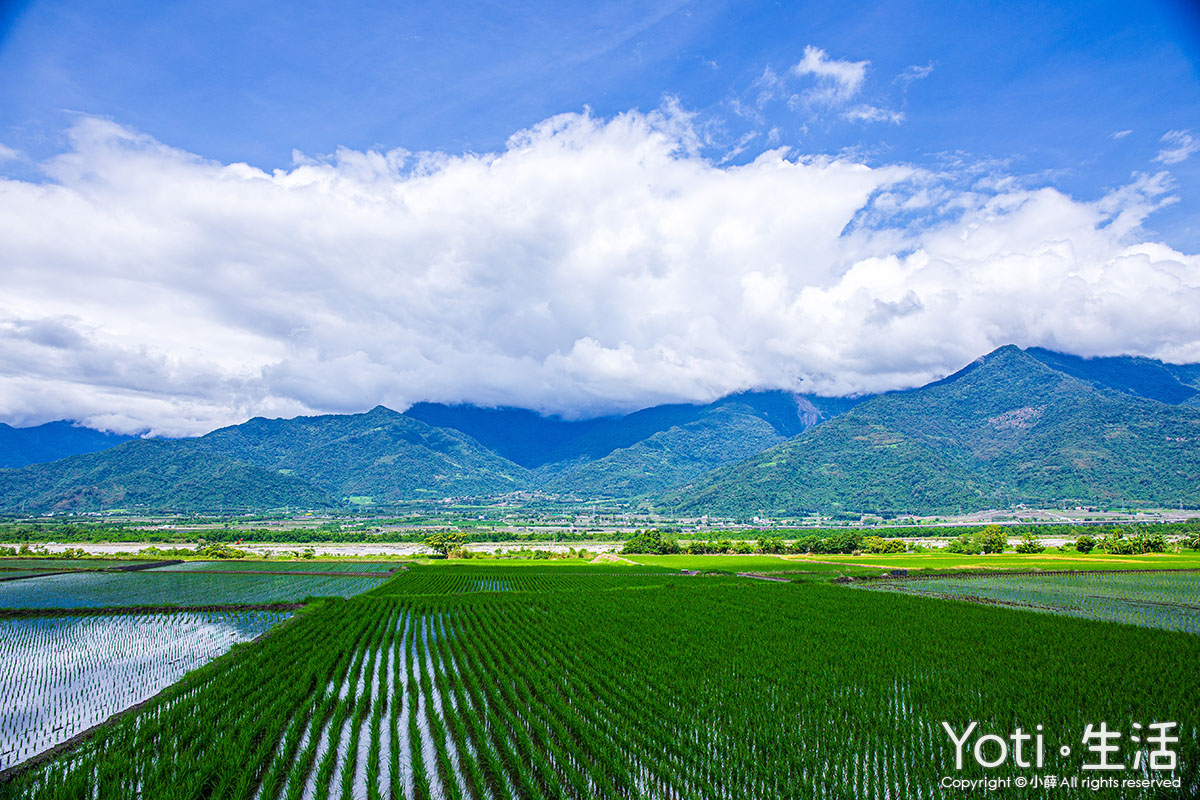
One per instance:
[(665, 459), (533, 440), (156, 473), (1174, 384), (51, 441), (1006, 429), (381, 455), (1015, 426)]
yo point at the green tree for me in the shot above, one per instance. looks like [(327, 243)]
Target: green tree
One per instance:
[(444, 542), (651, 542), (877, 544), (1085, 544), (992, 539)]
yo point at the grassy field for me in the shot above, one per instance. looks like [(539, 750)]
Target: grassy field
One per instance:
[(485, 680)]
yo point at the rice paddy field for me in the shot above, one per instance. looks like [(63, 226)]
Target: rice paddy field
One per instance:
[(448, 682), (1048, 561), (1168, 600), (377, 567), (158, 588), (61, 675), (66, 563)]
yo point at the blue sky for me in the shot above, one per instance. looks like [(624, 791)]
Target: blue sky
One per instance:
[(1043, 86), (416, 221)]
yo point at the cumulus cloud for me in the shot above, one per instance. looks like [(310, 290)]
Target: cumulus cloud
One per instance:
[(1179, 146), (591, 266), (836, 81)]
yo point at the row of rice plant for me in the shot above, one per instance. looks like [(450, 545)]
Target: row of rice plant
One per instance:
[(438, 580), (1168, 600), (689, 688), (62, 675)]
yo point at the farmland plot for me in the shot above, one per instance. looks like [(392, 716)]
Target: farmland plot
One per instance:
[(374, 567), (498, 579), (1168, 600), (67, 563), (154, 587), (61, 675), (695, 687)]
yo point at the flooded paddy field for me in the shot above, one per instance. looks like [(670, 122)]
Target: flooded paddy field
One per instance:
[(61, 675), (239, 565), (68, 563), (161, 588), (1167, 600)]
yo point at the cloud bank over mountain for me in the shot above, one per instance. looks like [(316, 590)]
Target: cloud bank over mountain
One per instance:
[(592, 266)]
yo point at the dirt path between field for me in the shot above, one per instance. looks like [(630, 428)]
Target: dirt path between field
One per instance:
[(775, 578), (609, 558), (149, 565), (82, 736)]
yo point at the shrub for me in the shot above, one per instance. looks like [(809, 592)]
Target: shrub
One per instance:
[(1030, 544), (1116, 543), (1085, 544), (877, 544), (221, 551), (963, 545)]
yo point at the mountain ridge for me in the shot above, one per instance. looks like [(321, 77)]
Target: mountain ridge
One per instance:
[(1006, 429), (1009, 427), (51, 441)]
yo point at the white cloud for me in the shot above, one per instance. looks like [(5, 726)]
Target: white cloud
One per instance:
[(866, 113), (836, 81), (1180, 145), (914, 72), (593, 265), (1120, 134), (7, 153)]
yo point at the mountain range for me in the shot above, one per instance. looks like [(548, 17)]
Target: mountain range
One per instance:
[(1015, 426), (20, 447)]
